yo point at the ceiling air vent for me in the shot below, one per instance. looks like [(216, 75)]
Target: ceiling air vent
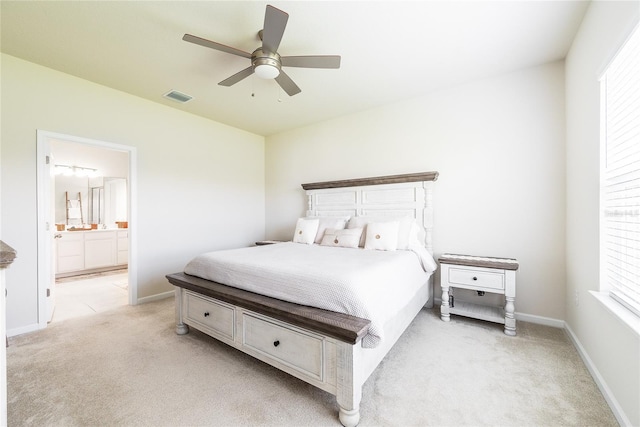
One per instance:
[(178, 96)]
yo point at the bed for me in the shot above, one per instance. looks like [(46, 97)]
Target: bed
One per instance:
[(314, 316)]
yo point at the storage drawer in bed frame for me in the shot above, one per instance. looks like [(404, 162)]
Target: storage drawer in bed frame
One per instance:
[(212, 317), (300, 350), (286, 345), (302, 341)]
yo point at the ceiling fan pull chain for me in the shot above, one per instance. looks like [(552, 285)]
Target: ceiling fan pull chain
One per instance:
[(253, 86)]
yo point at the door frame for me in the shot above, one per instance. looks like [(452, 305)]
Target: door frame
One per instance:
[(45, 215)]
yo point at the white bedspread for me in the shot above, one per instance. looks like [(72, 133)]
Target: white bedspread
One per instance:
[(369, 284)]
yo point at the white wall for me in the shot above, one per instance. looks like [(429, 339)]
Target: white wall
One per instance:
[(499, 147), (200, 184), (613, 348)]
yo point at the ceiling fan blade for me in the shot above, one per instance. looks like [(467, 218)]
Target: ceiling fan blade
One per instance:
[(317, 61), (213, 45), (237, 77), (275, 21), (287, 84)]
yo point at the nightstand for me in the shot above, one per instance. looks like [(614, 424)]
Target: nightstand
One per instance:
[(481, 274)]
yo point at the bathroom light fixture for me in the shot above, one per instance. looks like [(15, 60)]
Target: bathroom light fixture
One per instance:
[(75, 170)]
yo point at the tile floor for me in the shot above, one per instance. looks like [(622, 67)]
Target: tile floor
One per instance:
[(89, 294)]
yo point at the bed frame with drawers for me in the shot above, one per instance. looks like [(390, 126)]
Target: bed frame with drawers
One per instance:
[(320, 347)]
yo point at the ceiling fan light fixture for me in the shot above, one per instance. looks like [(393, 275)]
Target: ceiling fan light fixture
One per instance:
[(266, 64), (267, 71)]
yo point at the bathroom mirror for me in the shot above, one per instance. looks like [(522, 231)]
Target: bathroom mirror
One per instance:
[(104, 199)]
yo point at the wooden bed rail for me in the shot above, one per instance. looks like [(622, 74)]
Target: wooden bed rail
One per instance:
[(343, 327)]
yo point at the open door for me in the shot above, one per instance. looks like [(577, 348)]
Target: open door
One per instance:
[(47, 231), (51, 289)]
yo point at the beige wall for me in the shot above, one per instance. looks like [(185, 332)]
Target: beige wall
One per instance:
[(612, 347), (499, 147), (518, 179), (200, 184)]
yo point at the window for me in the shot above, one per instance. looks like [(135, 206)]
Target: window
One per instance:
[(620, 176)]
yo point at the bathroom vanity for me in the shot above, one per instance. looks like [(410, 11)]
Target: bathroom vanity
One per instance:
[(79, 252)]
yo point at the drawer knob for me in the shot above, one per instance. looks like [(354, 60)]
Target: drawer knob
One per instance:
[(206, 314), (475, 278), (276, 343)]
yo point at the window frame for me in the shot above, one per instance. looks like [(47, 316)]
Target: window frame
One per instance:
[(629, 312)]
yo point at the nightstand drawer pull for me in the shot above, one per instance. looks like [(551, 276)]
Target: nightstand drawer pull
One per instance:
[(475, 278), (276, 343), (206, 314)]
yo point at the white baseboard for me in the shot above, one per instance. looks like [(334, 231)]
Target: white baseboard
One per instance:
[(531, 318), (617, 410), (23, 330), (540, 320), (156, 297)]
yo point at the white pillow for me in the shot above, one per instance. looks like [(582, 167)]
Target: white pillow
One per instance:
[(345, 238), (337, 222), (306, 230), (405, 227), (382, 236)]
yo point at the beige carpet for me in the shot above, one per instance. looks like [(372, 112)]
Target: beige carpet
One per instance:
[(127, 367)]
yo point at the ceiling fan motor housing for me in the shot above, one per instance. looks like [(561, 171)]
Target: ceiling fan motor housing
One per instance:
[(260, 57)]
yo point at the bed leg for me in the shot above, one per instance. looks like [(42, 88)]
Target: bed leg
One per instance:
[(181, 327), (349, 384), (349, 418)]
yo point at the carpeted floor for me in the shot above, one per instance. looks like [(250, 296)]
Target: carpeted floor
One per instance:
[(127, 367)]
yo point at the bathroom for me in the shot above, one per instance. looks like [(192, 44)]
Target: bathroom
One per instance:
[(91, 233)]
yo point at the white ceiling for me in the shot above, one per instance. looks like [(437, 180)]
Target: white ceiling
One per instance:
[(391, 50)]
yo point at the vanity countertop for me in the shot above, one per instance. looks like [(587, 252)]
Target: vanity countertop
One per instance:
[(7, 254), (92, 230)]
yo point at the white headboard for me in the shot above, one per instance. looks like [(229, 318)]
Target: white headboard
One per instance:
[(392, 196)]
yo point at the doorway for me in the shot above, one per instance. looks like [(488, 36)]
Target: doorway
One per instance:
[(90, 293), (75, 207)]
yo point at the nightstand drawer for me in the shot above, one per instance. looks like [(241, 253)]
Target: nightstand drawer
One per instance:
[(476, 278)]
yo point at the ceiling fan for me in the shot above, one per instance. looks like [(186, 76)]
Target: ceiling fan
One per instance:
[(265, 60)]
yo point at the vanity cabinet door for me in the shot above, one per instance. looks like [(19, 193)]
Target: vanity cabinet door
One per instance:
[(69, 252), (99, 249), (123, 247)]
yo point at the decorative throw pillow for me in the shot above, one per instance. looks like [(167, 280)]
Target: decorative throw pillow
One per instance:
[(382, 236), (404, 228), (336, 222), (306, 230), (345, 238)]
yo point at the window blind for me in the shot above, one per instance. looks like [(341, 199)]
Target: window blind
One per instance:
[(620, 192)]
